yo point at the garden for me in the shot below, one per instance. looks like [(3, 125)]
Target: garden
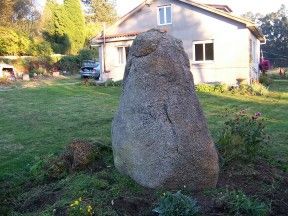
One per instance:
[(40, 124)]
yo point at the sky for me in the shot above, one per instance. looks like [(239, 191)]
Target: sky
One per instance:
[(238, 6)]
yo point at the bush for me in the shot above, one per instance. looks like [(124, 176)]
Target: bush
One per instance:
[(87, 54), (221, 87), (78, 208), (242, 137), (204, 87), (12, 42), (237, 203), (70, 64), (265, 80), (258, 89), (177, 204)]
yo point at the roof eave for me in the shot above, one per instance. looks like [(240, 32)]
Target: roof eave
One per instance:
[(257, 33)]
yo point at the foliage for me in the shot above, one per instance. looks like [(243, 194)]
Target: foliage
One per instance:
[(40, 48), (242, 137), (76, 31), (56, 27), (259, 89), (6, 12), (69, 64), (243, 89), (78, 207), (12, 42), (265, 80), (177, 204), (237, 203), (110, 82), (102, 10), (87, 54), (275, 28), (204, 88)]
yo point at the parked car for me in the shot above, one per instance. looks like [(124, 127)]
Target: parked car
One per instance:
[(90, 69)]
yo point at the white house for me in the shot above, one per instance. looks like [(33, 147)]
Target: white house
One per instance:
[(221, 46)]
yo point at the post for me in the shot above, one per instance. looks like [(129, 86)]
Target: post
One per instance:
[(104, 46)]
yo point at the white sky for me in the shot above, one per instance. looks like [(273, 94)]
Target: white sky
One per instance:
[(238, 6)]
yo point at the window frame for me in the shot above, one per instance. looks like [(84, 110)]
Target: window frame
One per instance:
[(203, 42), (123, 53), (165, 15)]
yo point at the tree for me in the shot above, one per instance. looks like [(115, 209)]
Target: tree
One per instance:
[(99, 11), (275, 28), (6, 12), (56, 27), (76, 34)]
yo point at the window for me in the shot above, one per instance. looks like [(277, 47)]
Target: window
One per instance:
[(203, 50), (122, 54), (164, 15)]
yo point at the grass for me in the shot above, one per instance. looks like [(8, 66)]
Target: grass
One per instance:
[(38, 121)]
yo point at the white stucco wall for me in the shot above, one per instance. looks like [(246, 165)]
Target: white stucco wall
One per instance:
[(231, 41)]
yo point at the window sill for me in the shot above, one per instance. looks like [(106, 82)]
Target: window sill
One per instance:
[(203, 62), (164, 24)]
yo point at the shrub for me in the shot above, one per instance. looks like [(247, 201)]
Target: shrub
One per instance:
[(221, 87), (204, 87), (242, 137), (110, 82), (177, 204), (88, 54), (70, 64), (258, 89), (78, 207), (237, 203), (265, 80)]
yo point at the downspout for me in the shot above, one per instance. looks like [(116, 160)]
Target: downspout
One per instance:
[(104, 46)]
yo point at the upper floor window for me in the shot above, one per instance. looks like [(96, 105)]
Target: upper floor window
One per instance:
[(165, 15), (203, 51)]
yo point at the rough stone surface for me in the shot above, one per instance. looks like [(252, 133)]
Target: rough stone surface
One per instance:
[(159, 133)]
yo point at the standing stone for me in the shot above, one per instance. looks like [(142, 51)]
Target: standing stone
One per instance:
[(159, 133)]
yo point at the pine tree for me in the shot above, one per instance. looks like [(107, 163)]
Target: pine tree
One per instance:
[(77, 28), (56, 27)]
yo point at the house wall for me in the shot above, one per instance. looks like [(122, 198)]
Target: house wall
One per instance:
[(231, 40)]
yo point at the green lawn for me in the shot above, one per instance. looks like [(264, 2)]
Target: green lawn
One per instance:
[(39, 121)]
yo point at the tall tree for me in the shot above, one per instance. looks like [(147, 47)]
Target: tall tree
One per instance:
[(56, 27), (100, 11), (6, 12), (75, 14)]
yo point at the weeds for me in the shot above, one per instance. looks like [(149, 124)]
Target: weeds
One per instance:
[(177, 204)]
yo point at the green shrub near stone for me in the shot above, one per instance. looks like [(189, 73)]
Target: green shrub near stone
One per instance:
[(237, 203), (177, 204), (242, 137)]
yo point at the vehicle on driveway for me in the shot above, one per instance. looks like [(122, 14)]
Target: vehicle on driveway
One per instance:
[(90, 69)]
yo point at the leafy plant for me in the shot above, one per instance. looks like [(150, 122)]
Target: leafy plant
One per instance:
[(265, 80), (204, 87), (242, 137), (237, 203), (177, 204), (78, 207)]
